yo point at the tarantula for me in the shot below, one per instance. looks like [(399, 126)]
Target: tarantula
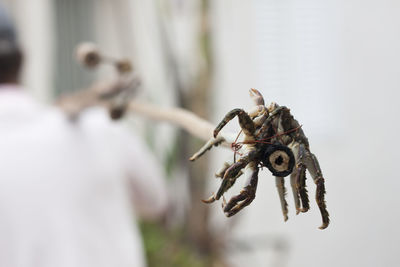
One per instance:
[(272, 138)]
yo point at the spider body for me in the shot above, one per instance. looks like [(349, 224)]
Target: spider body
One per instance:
[(272, 138)]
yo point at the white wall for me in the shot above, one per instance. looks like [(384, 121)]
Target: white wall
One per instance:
[(335, 64)]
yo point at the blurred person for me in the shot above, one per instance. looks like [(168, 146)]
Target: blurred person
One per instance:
[(66, 189)]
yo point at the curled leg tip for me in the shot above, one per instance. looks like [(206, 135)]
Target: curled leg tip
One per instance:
[(325, 223), (209, 200), (192, 158), (256, 96), (304, 210), (323, 226)]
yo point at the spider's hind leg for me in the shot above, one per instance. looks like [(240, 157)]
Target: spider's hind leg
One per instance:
[(301, 185), (295, 190), (298, 179), (280, 185), (312, 165)]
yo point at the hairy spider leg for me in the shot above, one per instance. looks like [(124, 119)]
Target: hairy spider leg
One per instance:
[(234, 170), (312, 165), (295, 190), (221, 172), (298, 183), (231, 182), (245, 122), (301, 178), (301, 185), (280, 185), (231, 174), (298, 180), (246, 195)]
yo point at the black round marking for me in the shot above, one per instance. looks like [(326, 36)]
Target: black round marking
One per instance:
[(270, 161), (279, 160)]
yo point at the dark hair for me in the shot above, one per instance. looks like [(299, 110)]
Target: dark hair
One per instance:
[(10, 66)]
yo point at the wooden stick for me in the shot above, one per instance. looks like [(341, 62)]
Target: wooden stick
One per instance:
[(190, 122), (183, 118), (75, 103)]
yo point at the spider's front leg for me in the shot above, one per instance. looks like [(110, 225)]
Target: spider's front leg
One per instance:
[(246, 195), (245, 122)]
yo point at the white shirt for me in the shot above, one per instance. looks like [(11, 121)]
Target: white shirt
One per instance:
[(66, 189)]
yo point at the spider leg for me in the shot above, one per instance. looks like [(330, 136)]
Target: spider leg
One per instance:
[(296, 195), (301, 184), (231, 174), (246, 123), (209, 200), (207, 146), (221, 172), (231, 182), (256, 96), (298, 179), (246, 195), (312, 165), (280, 185)]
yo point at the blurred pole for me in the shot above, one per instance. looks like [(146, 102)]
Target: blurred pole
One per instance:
[(197, 101), (194, 95)]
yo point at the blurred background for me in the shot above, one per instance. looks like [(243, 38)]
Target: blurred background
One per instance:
[(334, 63)]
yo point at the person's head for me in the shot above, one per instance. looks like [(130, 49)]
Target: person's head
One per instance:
[(10, 52)]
